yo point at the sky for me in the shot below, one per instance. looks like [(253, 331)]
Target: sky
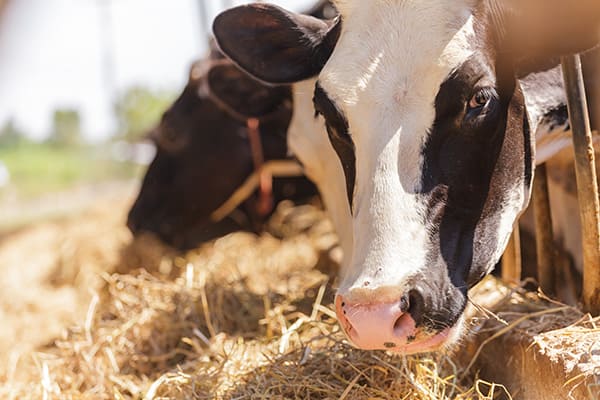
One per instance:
[(82, 53)]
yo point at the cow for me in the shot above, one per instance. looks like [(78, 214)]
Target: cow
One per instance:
[(204, 155), (432, 107), (556, 150), (191, 190)]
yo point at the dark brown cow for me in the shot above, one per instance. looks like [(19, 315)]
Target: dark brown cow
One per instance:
[(204, 154)]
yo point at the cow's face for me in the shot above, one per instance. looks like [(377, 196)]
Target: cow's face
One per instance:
[(437, 174), (423, 107), (203, 153)]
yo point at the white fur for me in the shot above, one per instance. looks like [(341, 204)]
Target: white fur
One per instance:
[(308, 141), (384, 75)]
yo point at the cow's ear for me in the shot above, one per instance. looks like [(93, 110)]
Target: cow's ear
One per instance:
[(245, 96), (535, 31), (275, 45)]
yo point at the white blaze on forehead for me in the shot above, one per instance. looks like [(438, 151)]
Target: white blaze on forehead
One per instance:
[(384, 76)]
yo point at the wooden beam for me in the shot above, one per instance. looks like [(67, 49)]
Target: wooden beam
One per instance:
[(512, 265), (544, 236), (587, 184)]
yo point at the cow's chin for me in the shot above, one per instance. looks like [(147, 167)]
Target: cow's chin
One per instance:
[(442, 342)]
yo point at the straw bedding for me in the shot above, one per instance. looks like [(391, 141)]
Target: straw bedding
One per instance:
[(244, 318)]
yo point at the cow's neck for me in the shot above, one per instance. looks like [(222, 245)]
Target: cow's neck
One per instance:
[(308, 141), (547, 109)]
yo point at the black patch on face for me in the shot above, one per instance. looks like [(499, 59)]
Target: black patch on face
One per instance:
[(337, 129), (465, 147)]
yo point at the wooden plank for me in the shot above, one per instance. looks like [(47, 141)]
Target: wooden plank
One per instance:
[(587, 184), (544, 237), (512, 266)]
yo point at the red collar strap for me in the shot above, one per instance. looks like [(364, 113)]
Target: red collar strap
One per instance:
[(261, 178), (265, 189)]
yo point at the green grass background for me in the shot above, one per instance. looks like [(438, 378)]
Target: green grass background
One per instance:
[(36, 169)]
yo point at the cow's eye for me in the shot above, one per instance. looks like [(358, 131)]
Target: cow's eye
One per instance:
[(480, 102), (481, 98)]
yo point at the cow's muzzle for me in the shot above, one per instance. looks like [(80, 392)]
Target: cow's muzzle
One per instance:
[(396, 326)]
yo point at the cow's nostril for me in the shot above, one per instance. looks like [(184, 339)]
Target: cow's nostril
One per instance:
[(399, 322), (404, 303), (416, 306)]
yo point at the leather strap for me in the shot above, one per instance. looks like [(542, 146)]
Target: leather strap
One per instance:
[(265, 194), (276, 168)]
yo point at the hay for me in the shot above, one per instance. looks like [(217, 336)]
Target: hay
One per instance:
[(151, 341), (544, 346), (245, 318)]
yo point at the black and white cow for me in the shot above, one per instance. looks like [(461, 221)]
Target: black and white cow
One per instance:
[(431, 106)]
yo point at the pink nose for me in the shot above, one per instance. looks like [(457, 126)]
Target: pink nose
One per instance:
[(377, 326)]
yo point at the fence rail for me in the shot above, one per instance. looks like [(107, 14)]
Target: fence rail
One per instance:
[(587, 184), (589, 207)]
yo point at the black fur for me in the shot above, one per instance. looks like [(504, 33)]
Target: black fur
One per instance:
[(203, 156)]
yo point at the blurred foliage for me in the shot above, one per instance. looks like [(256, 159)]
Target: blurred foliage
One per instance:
[(38, 168), (65, 160), (66, 128), (11, 135), (58, 163), (139, 109)]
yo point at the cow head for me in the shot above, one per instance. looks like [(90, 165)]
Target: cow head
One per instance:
[(423, 105), (203, 154)]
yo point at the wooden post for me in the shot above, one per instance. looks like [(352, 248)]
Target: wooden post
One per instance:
[(587, 184), (512, 265), (544, 237)]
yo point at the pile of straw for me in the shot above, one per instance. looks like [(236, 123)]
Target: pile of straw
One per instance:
[(244, 318)]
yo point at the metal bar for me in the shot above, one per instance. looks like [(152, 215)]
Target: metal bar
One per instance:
[(587, 185), (107, 47), (512, 265), (205, 25), (544, 237)]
